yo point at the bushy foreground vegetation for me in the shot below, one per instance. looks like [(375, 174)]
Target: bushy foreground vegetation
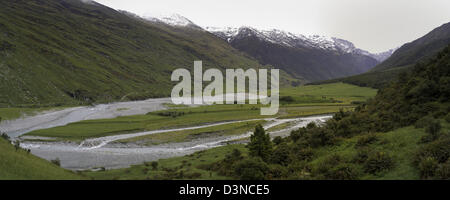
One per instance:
[(19, 163), (420, 98)]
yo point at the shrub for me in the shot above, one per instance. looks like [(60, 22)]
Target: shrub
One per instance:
[(366, 140), (277, 140), (251, 169), (377, 162), (320, 137), (17, 145), (423, 122), (154, 165), (260, 144), (287, 99), (276, 172), (443, 172), (325, 166), (173, 114), (433, 128), (447, 118), (56, 161), (4, 136), (428, 167), (343, 171), (439, 150), (281, 155), (303, 153), (194, 175), (362, 154)]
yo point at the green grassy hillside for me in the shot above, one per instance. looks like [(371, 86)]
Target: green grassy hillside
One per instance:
[(69, 52), (19, 164), (401, 144)]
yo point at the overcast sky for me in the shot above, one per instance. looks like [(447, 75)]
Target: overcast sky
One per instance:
[(373, 25)]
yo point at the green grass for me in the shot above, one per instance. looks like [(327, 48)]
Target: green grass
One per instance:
[(25, 166), (401, 144), (192, 116), (188, 164), (328, 93), (187, 135), (96, 54), (14, 113)]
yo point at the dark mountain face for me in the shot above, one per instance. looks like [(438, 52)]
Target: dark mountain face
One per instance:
[(402, 60), (67, 52), (420, 49), (301, 57)]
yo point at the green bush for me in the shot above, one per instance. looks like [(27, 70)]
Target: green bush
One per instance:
[(251, 169), (377, 162), (343, 171), (433, 128), (260, 144), (323, 167), (439, 150), (56, 161), (154, 165), (276, 172), (366, 140), (362, 154), (281, 155), (303, 153), (277, 140), (4, 136), (447, 118), (423, 122), (428, 167), (286, 99), (443, 172)]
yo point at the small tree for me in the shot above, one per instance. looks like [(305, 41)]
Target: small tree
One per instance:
[(56, 161), (433, 128), (251, 169), (154, 165), (260, 144), (17, 145)]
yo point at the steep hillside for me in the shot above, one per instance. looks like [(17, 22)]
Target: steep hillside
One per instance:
[(70, 52), (402, 60), (19, 164), (403, 133), (312, 58), (422, 48)]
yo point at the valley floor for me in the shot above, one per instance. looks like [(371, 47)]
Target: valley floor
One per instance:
[(170, 131)]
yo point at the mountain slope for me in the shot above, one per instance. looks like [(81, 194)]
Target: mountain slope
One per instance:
[(402, 133), (18, 164), (70, 52), (402, 60), (312, 58), (422, 48)]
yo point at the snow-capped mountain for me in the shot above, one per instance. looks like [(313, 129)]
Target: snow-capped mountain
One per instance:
[(384, 55), (311, 58), (295, 40), (172, 19)]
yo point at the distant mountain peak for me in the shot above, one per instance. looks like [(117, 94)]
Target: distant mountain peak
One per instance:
[(171, 19)]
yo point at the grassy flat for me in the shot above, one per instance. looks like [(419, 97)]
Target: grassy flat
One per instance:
[(14, 113), (18, 164), (187, 135), (304, 104), (191, 165)]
